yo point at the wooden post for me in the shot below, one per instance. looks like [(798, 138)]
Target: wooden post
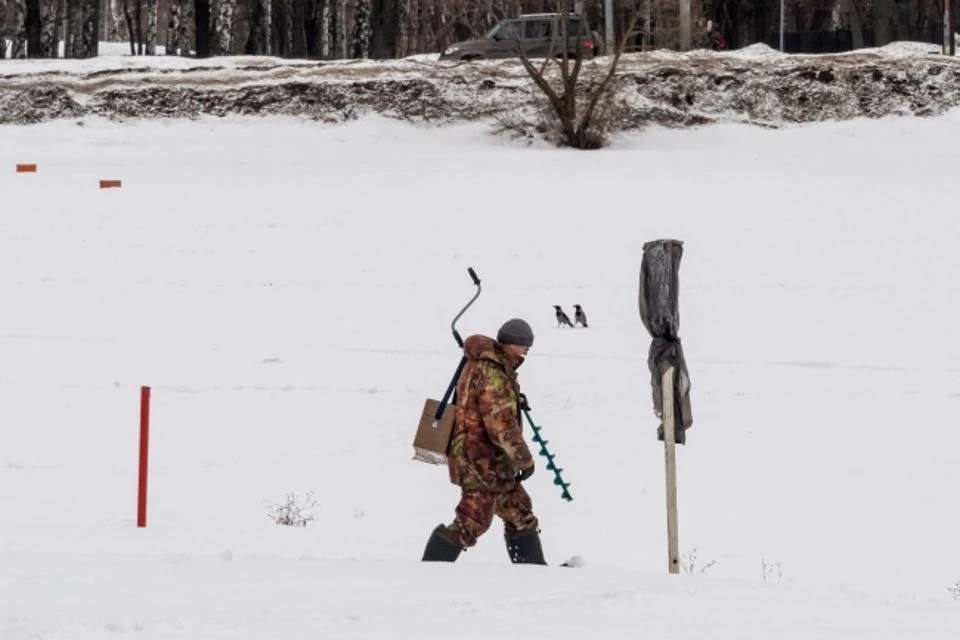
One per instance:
[(669, 443)]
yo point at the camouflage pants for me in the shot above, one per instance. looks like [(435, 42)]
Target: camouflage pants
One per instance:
[(476, 510)]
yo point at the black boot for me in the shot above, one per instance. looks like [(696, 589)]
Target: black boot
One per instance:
[(524, 547), (441, 547)]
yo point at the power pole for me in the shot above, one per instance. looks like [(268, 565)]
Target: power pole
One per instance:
[(610, 44), (686, 38), (782, 15), (946, 28)]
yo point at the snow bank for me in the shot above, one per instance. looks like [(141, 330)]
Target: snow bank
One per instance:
[(756, 84)]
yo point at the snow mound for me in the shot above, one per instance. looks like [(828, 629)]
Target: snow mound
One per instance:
[(758, 51), (756, 84)]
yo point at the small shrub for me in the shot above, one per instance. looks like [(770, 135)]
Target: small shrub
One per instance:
[(954, 591), (688, 562), (292, 512), (773, 572)]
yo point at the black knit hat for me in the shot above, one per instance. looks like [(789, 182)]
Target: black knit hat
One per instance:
[(515, 331)]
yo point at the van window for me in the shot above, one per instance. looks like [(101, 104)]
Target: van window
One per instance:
[(505, 31), (536, 29)]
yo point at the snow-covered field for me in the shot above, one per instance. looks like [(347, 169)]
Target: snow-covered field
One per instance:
[(286, 288)]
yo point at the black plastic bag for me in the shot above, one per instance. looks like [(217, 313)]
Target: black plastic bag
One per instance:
[(659, 311)]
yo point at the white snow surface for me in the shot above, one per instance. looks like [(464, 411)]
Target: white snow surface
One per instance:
[(286, 288)]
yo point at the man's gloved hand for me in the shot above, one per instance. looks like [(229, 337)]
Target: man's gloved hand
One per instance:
[(523, 402), (525, 473)]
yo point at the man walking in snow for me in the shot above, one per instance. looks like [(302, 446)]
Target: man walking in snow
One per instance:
[(487, 457)]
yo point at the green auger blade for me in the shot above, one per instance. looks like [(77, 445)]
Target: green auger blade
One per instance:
[(551, 466)]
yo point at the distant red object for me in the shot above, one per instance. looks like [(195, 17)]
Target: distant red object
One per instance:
[(719, 42)]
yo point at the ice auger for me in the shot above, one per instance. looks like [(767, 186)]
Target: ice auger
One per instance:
[(551, 465)]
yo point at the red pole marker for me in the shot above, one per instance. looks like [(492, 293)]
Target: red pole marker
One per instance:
[(144, 445)]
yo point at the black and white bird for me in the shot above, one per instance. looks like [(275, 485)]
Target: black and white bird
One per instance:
[(562, 318), (579, 316)]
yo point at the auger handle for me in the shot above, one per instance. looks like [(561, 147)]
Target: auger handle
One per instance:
[(453, 325)]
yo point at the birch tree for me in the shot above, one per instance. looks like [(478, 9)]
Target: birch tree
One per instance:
[(3, 29), (48, 28), (91, 34), (151, 36), (360, 39), (173, 28), (19, 47), (224, 26), (113, 20)]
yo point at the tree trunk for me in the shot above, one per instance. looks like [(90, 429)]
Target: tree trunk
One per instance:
[(288, 28), (882, 17), (311, 28), (33, 28), (3, 29), (90, 34), (138, 25), (383, 20), (19, 49), (259, 29), (58, 28), (173, 29), (113, 21), (333, 33), (224, 26), (151, 38), (186, 35), (201, 10), (856, 23), (360, 41), (131, 31), (48, 28)]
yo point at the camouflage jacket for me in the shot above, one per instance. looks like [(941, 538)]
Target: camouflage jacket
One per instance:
[(487, 449)]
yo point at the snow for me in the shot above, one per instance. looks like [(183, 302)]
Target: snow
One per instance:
[(755, 85), (286, 288)]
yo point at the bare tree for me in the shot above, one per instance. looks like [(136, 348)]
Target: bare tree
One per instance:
[(856, 24), (258, 37), (48, 28), (201, 14), (173, 43), (572, 106), (113, 21), (90, 38), (3, 29), (33, 28), (335, 31), (151, 38), (58, 28), (312, 21), (360, 40), (131, 28), (223, 26), (384, 20), (19, 48)]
